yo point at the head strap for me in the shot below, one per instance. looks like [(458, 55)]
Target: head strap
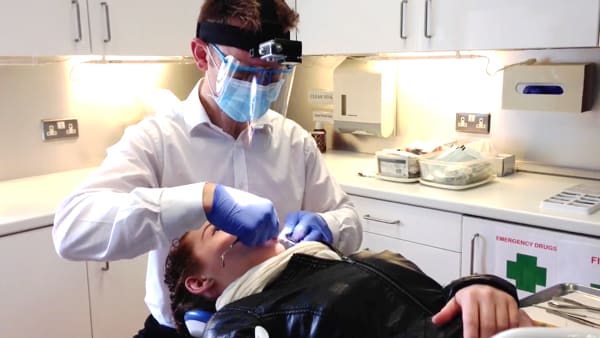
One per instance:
[(228, 35)]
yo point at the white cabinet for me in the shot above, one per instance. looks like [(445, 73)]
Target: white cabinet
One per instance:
[(531, 258), (42, 294), (42, 28), (117, 291), (430, 238), (143, 27), (349, 26), (363, 27), (133, 27), (513, 24)]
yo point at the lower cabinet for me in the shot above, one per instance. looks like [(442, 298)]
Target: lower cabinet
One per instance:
[(531, 258), (42, 294), (117, 291), (430, 238)]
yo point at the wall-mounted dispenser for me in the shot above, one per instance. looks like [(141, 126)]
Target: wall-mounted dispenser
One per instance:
[(551, 87), (364, 94)]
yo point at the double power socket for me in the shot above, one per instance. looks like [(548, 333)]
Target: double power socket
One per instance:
[(59, 129), (473, 123)]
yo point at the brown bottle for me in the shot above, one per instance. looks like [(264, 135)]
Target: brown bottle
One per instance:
[(320, 136)]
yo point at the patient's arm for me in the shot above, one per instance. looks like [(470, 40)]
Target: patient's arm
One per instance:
[(485, 311)]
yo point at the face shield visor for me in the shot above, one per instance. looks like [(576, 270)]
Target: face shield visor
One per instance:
[(246, 91)]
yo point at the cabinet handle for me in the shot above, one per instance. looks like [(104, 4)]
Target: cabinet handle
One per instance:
[(475, 236), (106, 266), (107, 17), (428, 19), (79, 35), (381, 220), (403, 19)]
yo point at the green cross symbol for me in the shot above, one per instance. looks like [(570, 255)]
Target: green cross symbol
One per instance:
[(526, 272)]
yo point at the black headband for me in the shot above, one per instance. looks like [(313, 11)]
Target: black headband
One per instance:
[(228, 35)]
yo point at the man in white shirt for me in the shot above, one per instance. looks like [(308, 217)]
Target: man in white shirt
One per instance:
[(220, 155)]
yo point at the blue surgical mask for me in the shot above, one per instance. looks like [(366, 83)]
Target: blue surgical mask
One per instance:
[(244, 101)]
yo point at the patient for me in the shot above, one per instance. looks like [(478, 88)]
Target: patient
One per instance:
[(311, 291)]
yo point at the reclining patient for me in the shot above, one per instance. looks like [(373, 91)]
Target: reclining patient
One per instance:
[(310, 290)]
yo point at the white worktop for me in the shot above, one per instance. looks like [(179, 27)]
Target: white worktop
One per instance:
[(515, 198), (28, 203)]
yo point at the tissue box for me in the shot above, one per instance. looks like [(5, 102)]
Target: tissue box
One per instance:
[(552, 87)]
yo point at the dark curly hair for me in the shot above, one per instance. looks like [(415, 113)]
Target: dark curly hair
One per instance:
[(248, 12), (179, 265)]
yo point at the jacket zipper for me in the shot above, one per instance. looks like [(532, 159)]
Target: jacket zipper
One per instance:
[(389, 280)]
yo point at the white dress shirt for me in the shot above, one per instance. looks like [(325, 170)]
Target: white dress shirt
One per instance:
[(148, 190)]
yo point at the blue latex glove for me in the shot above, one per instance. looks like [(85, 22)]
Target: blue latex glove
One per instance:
[(307, 226), (251, 218)]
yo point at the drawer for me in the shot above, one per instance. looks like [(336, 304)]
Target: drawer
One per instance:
[(439, 264), (416, 224)]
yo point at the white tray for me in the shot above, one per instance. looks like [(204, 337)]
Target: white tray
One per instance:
[(397, 179), (457, 187)]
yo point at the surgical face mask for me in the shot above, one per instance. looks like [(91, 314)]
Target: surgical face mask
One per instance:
[(245, 93), (246, 101)]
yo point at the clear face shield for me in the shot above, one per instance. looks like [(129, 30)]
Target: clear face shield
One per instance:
[(245, 92)]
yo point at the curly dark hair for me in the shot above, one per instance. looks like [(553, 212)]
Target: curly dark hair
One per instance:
[(179, 265), (250, 13)]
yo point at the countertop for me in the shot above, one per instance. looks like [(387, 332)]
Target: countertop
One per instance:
[(30, 202), (515, 198)]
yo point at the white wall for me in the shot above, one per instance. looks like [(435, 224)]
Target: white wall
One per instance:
[(104, 98), (431, 91)]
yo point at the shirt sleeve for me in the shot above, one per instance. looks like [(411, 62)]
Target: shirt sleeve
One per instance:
[(325, 196), (121, 211)]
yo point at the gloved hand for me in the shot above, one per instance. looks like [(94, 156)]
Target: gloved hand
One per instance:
[(251, 218), (307, 226)]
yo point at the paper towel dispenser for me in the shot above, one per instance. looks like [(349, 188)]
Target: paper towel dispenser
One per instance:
[(549, 87), (364, 94)]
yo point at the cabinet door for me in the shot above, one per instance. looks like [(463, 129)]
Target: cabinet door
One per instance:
[(430, 238), (441, 265), (43, 28), (42, 294), (117, 291), (533, 259), (352, 26), (512, 24), (143, 27)]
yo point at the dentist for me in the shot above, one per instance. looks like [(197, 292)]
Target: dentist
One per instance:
[(222, 155)]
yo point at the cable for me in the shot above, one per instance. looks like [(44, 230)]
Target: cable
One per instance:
[(526, 62)]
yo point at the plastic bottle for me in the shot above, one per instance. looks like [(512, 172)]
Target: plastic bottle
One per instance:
[(320, 136)]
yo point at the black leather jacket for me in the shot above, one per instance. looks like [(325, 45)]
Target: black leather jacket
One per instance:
[(364, 295)]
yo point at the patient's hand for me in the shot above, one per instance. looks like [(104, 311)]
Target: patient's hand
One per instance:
[(485, 311)]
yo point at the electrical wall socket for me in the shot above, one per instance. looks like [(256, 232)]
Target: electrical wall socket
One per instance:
[(59, 129), (473, 123)]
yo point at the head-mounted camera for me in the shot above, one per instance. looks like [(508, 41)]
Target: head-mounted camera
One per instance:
[(281, 51)]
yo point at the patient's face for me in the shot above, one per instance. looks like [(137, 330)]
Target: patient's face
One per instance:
[(209, 244)]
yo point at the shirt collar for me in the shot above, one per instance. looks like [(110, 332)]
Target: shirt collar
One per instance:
[(195, 114)]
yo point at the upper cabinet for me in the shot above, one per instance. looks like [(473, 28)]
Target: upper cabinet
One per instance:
[(350, 26), (360, 27), (133, 27), (143, 27), (511, 24), (43, 28)]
